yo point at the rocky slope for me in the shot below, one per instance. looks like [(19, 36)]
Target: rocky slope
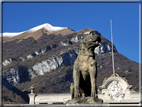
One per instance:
[(45, 58)]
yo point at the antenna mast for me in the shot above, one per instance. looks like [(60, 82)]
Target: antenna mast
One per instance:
[(112, 47)]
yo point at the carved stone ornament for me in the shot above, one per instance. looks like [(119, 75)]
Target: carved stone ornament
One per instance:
[(32, 90), (115, 91), (84, 89)]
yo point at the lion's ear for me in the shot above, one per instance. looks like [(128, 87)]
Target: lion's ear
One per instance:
[(92, 32)]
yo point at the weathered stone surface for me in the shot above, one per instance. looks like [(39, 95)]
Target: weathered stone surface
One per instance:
[(86, 100), (85, 71)]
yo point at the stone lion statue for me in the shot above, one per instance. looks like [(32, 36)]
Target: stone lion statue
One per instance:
[(85, 67)]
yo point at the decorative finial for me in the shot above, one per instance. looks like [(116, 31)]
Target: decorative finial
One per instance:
[(32, 89)]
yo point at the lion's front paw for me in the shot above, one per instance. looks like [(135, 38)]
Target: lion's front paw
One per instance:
[(77, 94), (93, 94)]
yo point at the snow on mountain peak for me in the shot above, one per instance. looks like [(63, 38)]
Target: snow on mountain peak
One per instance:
[(46, 26), (7, 34)]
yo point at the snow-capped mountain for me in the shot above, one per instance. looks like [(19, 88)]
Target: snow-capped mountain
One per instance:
[(46, 26), (7, 34)]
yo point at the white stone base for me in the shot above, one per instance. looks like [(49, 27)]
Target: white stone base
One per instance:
[(50, 98), (64, 97)]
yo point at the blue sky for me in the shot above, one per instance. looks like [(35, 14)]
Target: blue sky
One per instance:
[(19, 17)]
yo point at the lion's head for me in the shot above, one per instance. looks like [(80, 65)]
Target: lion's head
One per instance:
[(91, 40)]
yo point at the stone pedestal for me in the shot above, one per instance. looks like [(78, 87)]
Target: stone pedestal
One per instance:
[(85, 100), (32, 98)]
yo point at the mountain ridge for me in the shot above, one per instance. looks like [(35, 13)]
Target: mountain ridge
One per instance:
[(46, 60), (21, 35)]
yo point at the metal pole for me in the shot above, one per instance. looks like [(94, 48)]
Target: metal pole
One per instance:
[(112, 47)]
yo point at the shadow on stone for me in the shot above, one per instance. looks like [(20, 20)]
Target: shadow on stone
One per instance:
[(85, 100)]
